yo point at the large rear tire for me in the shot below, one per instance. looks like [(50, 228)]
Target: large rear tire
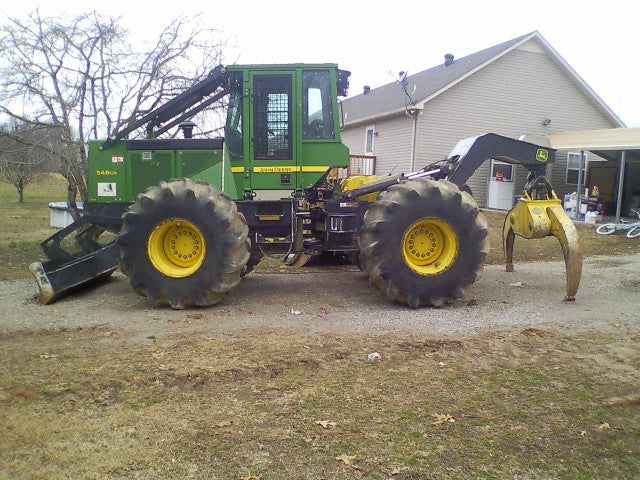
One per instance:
[(183, 243), (423, 242)]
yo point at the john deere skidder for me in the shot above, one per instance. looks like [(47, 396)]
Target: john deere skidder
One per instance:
[(193, 215)]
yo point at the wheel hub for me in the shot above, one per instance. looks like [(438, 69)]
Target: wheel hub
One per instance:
[(176, 248), (429, 246)]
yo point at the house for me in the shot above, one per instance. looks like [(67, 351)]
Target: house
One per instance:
[(522, 86)]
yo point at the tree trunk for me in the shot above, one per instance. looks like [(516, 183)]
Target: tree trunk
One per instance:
[(20, 187), (72, 191)]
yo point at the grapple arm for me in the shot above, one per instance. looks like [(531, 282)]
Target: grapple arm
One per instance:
[(539, 214)]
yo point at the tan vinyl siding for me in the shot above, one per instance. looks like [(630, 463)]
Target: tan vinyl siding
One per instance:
[(391, 143), (511, 96), (354, 139)]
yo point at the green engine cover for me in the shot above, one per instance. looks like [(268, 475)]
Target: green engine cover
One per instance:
[(127, 168)]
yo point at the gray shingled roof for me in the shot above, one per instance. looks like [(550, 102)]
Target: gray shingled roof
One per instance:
[(390, 98)]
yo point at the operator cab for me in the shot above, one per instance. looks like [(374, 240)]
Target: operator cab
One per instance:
[(282, 132)]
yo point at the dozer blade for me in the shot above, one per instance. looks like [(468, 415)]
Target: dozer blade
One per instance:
[(56, 279), (541, 218)]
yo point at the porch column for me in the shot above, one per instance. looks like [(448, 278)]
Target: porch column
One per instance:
[(620, 185)]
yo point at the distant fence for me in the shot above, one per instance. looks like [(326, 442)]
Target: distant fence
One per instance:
[(358, 165)]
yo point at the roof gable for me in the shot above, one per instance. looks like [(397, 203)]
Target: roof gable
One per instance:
[(389, 99)]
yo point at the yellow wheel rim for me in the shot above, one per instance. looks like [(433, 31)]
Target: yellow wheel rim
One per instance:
[(176, 248), (429, 246)]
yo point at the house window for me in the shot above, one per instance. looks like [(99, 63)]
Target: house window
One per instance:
[(501, 171), (368, 142), (574, 161)]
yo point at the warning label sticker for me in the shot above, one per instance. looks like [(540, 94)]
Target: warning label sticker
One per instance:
[(106, 189)]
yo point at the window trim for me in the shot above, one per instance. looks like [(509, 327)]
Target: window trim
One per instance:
[(495, 161), (327, 110), (584, 168), (371, 129)]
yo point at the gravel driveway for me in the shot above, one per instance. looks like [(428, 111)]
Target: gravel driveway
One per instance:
[(339, 300)]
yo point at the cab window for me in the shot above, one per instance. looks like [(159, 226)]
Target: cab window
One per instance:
[(272, 122), (233, 127), (317, 105)]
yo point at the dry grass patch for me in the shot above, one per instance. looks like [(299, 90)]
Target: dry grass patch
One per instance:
[(280, 405)]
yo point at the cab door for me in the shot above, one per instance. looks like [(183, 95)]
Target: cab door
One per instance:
[(273, 147)]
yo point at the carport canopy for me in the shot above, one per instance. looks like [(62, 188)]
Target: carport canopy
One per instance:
[(616, 144)]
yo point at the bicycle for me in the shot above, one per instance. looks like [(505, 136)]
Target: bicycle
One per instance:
[(633, 228)]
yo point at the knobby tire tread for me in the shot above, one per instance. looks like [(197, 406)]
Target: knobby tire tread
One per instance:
[(224, 230), (380, 241)]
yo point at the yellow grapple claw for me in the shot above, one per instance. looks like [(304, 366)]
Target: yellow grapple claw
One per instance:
[(539, 218)]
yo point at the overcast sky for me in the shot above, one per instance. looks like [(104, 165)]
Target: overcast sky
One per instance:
[(377, 40)]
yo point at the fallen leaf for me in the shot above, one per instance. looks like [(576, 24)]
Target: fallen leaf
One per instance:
[(326, 423), (631, 398), (532, 332), (48, 355), (442, 418), (398, 470), (583, 433), (604, 426), (346, 459), (23, 393)]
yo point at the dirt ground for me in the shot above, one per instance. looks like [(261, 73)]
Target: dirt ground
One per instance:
[(339, 299), (312, 375)]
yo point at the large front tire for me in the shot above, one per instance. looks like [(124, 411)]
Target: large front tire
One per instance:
[(183, 243), (423, 242)]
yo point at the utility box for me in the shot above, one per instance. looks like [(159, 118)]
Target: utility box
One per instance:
[(60, 215)]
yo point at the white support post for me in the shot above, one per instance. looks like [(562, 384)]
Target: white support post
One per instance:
[(620, 185)]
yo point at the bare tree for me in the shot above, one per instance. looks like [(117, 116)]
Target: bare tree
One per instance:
[(27, 152), (20, 163), (83, 76)]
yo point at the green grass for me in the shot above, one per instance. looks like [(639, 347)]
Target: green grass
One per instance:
[(25, 225)]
